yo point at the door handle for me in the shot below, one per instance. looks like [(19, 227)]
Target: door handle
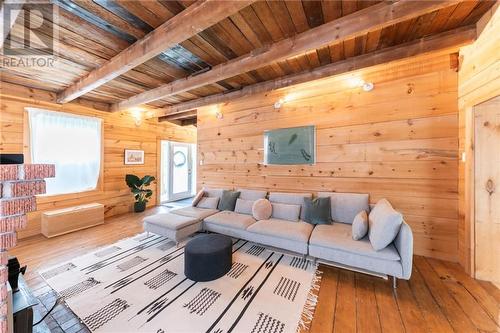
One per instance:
[(490, 186)]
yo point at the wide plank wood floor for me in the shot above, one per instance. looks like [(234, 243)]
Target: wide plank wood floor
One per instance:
[(440, 296)]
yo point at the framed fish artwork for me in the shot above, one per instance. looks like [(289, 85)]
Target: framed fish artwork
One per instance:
[(289, 146)]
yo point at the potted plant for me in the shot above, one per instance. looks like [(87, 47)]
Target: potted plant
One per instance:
[(138, 186)]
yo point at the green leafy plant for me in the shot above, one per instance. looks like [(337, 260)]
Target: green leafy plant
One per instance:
[(138, 186)]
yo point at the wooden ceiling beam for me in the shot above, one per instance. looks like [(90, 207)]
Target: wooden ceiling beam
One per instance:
[(180, 115), (188, 122), (448, 42), (48, 98), (181, 122), (194, 19), (358, 23)]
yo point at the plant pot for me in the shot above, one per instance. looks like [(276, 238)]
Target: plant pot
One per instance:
[(139, 206)]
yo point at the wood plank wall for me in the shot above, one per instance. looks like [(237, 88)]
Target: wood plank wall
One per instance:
[(478, 81), (399, 141), (120, 133)]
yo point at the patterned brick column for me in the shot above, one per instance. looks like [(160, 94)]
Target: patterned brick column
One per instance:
[(18, 186)]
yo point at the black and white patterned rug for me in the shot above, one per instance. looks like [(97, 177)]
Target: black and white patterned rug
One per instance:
[(138, 285)]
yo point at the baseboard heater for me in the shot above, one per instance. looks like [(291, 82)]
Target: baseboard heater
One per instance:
[(66, 220)]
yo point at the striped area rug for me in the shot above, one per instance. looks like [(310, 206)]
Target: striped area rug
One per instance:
[(138, 285)]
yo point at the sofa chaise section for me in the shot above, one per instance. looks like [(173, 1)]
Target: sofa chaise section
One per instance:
[(181, 223), (195, 212), (173, 226)]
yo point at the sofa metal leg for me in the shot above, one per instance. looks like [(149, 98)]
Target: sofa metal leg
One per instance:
[(394, 282)]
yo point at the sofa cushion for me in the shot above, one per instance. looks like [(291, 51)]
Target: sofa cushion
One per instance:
[(196, 212), (360, 225), (291, 199), (170, 221), (384, 224), (285, 212), (226, 230), (298, 232), (281, 244), (208, 202), (228, 200), (244, 206), (317, 210), (338, 236), (262, 209), (345, 206), (231, 219), (252, 195), (213, 192)]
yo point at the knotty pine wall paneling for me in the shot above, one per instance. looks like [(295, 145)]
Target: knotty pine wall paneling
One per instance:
[(120, 133), (478, 81), (399, 141)]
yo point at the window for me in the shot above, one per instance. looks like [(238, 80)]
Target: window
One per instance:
[(72, 143)]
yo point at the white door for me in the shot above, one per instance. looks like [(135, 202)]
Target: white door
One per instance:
[(487, 190), (180, 167)]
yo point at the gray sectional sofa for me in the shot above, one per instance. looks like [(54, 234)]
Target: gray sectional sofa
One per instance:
[(328, 243)]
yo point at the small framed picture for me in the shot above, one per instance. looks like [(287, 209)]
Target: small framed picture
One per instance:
[(134, 156)]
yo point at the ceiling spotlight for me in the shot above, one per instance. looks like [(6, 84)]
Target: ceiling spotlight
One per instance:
[(367, 86), (219, 115)]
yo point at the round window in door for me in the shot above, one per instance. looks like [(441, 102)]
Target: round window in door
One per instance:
[(179, 159)]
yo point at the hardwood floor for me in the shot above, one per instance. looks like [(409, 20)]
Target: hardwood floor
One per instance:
[(440, 297)]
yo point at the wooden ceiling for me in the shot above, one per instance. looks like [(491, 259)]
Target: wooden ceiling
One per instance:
[(92, 32)]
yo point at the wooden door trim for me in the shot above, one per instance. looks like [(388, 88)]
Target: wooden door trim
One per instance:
[(470, 180), (158, 171), (470, 183)]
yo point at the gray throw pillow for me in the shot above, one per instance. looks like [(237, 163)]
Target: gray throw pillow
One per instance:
[(383, 224), (317, 210), (228, 200), (360, 225)]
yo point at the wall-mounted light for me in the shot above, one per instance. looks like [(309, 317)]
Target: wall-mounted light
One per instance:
[(367, 86), (137, 115), (285, 99), (217, 111), (357, 82)]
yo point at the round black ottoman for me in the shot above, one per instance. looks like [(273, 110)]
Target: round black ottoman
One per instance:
[(208, 257)]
